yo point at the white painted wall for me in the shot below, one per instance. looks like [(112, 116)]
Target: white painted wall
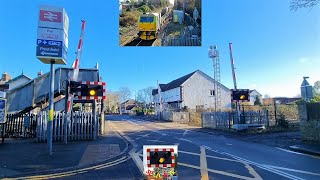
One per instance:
[(253, 96), (196, 91)]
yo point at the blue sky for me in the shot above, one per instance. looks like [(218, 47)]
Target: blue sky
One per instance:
[(272, 46)]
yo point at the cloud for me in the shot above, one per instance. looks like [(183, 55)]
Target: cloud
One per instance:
[(303, 60)]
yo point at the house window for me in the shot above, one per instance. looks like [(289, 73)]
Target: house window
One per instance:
[(211, 92)]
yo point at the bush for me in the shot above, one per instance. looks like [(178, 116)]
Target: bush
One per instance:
[(144, 9), (282, 122), (129, 19), (152, 7)]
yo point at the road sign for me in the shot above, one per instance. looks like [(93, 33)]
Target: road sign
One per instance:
[(3, 110), (53, 35), (43, 42), (46, 53), (53, 17)]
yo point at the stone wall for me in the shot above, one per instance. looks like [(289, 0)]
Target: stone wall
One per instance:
[(310, 128)]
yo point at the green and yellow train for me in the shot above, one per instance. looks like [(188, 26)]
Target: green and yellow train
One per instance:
[(149, 25)]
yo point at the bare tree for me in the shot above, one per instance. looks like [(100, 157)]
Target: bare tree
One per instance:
[(297, 4), (125, 94), (112, 101), (145, 95)]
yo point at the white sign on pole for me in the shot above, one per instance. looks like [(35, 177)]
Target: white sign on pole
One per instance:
[(54, 17), (53, 34), (52, 39)]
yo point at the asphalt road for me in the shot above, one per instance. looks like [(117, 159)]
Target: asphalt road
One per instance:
[(215, 156), (200, 155)]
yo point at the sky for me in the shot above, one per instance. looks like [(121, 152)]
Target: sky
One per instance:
[(273, 47)]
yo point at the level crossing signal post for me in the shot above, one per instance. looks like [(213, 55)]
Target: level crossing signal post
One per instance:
[(88, 92)]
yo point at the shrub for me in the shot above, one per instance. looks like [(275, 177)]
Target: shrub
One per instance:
[(144, 9), (282, 122), (152, 7)]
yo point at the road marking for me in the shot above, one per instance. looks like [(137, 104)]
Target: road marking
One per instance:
[(216, 171), (136, 160), (252, 172), (154, 140), (70, 173), (185, 133), (142, 136), (112, 164), (293, 170), (289, 176), (182, 139), (286, 150), (203, 164), (186, 152)]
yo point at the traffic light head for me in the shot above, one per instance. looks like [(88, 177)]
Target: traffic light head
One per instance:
[(161, 157), (92, 90), (74, 87), (240, 95)]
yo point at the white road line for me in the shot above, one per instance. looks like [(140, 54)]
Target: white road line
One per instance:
[(252, 172), (182, 139), (186, 152), (289, 176), (203, 164), (216, 171), (185, 133), (142, 136), (294, 170), (136, 159), (286, 150)]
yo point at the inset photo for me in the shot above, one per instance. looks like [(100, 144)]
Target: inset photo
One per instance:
[(160, 22)]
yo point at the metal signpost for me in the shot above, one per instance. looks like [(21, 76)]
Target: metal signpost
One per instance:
[(52, 44)]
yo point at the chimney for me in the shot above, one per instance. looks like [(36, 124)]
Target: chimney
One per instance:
[(40, 73), (5, 77)]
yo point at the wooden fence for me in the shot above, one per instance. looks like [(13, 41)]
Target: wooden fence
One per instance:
[(82, 126)]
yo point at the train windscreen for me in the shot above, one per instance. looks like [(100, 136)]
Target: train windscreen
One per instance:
[(146, 19)]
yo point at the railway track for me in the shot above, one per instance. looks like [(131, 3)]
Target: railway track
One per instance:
[(139, 42)]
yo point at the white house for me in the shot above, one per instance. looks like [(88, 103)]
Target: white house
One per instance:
[(194, 90), (254, 94)]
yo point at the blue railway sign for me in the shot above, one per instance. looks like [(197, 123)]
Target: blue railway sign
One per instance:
[(43, 42), (49, 51)]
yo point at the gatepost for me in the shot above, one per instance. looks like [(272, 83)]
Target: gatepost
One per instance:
[(52, 46)]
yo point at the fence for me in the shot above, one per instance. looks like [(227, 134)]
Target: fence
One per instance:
[(179, 117), (20, 126), (219, 120), (82, 126), (225, 120), (188, 37)]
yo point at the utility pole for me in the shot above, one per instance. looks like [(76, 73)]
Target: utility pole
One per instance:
[(214, 54), (160, 99), (234, 81)]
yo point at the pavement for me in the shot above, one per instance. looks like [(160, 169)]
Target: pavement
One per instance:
[(19, 157)]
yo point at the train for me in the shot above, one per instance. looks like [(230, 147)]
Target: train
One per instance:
[(149, 25)]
